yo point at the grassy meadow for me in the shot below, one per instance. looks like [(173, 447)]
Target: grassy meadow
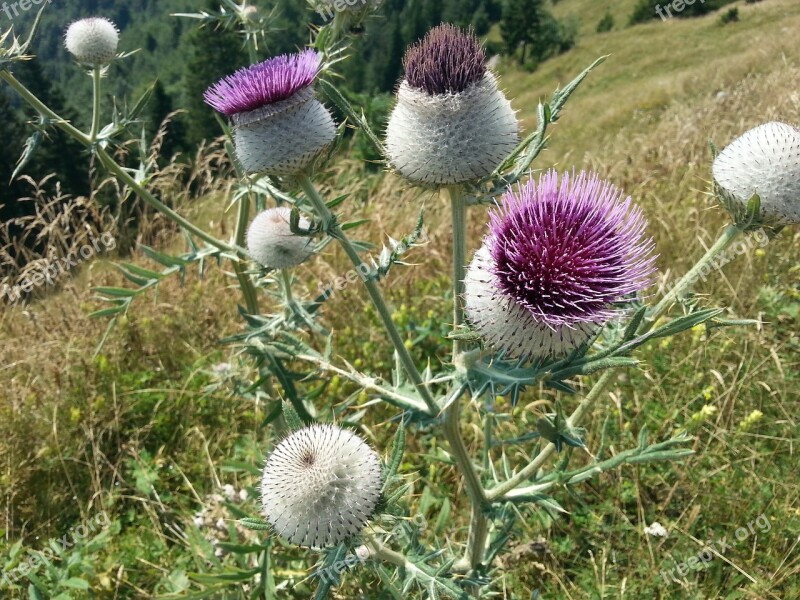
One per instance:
[(148, 427)]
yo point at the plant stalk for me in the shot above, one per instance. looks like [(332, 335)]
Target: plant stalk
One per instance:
[(728, 236), (373, 290), (498, 492), (245, 283), (458, 209), (96, 91)]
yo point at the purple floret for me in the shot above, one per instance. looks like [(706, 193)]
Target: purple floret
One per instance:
[(446, 61), (267, 82), (568, 253)]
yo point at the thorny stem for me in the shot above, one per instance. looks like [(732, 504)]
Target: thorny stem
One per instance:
[(42, 108), (335, 231), (499, 492), (115, 168), (728, 236), (368, 383), (286, 284), (377, 551), (478, 529), (248, 289)]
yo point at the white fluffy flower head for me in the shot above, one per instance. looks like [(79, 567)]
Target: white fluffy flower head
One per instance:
[(320, 486), (763, 161), (92, 41), (272, 243)]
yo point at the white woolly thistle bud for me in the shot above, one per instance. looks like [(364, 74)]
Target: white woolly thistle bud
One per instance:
[(92, 41), (451, 123), (279, 125), (272, 243), (320, 486), (763, 161)]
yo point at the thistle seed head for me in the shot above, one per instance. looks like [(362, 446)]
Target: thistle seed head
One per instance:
[(451, 138), (557, 260), (280, 127)]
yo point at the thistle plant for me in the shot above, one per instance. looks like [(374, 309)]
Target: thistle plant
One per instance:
[(557, 295)]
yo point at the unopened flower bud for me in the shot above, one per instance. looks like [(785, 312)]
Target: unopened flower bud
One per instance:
[(92, 41), (272, 243), (763, 161)]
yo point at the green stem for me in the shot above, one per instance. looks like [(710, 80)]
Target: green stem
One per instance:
[(478, 529), (42, 108), (458, 207), (150, 199), (245, 283), (96, 89), (498, 492), (728, 236), (479, 525), (286, 283), (373, 290), (113, 167)]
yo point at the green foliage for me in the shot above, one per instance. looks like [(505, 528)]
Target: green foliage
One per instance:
[(606, 23), (528, 26)]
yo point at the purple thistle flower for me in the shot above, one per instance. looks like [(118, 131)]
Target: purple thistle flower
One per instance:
[(280, 128), (556, 261), (451, 124), (446, 61), (266, 83)]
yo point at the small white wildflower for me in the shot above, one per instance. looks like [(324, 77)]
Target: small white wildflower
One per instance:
[(243, 495), (221, 525), (764, 161), (271, 242), (321, 486), (92, 41), (363, 553), (656, 529), (229, 491), (199, 521)]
